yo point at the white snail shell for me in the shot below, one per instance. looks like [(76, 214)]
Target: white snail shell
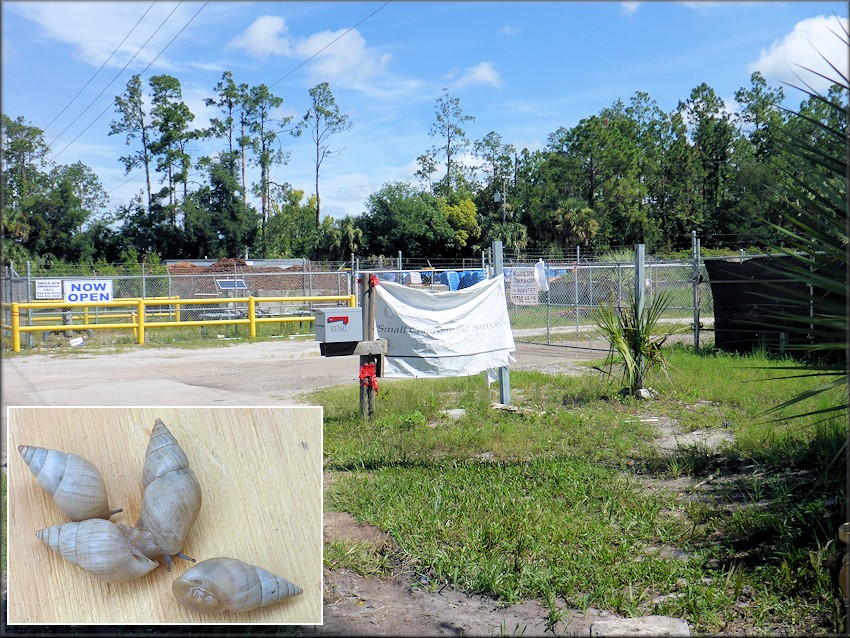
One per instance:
[(220, 584), (172, 497), (99, 547), (76, 485)]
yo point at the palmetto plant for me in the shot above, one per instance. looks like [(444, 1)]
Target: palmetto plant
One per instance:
[(631, 334), (814, 181)]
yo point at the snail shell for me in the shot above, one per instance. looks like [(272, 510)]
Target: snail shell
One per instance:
[(76, 485), (172, 497), (220, 584), (99, 547)]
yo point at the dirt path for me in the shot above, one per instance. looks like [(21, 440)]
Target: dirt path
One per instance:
[(280, 373)]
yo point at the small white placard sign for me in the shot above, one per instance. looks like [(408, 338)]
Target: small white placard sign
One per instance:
[(48, 289), (524, 287)]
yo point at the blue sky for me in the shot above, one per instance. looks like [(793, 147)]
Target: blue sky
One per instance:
[(522, 69)]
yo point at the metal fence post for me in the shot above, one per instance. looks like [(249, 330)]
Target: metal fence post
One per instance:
[(640, 257), (504, 371), (29, 298), (548, 310), (575, 300), (619, 285), (695, 252)]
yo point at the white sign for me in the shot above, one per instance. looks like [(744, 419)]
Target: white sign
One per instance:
[(524, 286), (48, 289), (79, 290), (444, 334)]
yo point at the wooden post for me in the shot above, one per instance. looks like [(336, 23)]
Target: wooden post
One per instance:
[(367, 303)]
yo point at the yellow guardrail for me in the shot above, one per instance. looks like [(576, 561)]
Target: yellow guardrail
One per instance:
[(86, 316), (139, 314)]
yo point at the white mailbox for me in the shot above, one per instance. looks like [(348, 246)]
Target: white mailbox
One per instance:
[(339, 325)]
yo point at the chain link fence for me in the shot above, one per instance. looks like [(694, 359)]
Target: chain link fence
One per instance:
[(224, 279), (576, 287)]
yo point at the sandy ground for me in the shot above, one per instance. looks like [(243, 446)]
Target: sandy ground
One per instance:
[(266, 373), (281, 373)]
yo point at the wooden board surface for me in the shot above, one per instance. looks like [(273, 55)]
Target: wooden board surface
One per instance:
[(260, 471)]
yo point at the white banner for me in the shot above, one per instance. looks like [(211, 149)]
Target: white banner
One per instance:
[(444, 334)]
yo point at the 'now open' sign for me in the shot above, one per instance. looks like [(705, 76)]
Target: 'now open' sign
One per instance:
[(88, 290)]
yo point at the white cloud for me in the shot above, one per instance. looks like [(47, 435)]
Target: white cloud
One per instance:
[(629, 8), (341, 57), (266, 36), (96, 29), (702, 5), (483, 73), (805, 47), (509, 31)]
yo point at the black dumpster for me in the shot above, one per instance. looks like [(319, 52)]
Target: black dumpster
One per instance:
[(758, 303)]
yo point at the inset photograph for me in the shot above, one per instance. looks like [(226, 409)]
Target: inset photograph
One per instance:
[(171, 515)]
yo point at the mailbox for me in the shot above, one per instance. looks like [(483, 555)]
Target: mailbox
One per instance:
[(339, 325)]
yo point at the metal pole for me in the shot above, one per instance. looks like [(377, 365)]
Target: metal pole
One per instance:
[(355, 289), (367, 393), (29, 298), (695, 253), (548, 308), (504, 371), (619, 285), (640, 258), (575, 300)]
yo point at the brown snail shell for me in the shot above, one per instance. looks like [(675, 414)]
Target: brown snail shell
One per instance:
[(172, 497), (76, 485), (99, 547), (228, 584)]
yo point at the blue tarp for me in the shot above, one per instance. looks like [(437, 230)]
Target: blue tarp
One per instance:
[(453, 279)]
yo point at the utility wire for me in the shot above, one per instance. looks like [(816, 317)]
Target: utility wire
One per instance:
[(108, 106), (129, 33), (113, 80), (347, 31), (122, 184)]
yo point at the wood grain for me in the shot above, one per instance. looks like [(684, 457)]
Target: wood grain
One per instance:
[(260, 471)]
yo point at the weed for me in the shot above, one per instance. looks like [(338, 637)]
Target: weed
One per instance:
[(554, 614)]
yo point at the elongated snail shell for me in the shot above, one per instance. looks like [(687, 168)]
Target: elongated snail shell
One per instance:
[(99, 547), (172, 497), (76, 485), (220, 584)]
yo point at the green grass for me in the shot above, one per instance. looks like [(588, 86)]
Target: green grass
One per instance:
[(568, 499)]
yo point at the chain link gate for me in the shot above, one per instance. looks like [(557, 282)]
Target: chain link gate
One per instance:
[(576, 289)]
